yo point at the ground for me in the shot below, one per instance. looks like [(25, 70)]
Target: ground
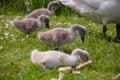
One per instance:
[(16, 47)]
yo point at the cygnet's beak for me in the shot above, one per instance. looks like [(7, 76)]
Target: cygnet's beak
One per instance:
[(47, 25), (85, 58), (82, 38)]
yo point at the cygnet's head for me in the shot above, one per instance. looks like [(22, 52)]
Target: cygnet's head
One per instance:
[(54, 4), (81, 30), (45, 19), (84, 55), (34, 56)]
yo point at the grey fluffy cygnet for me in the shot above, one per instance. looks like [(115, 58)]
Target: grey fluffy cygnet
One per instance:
[(60, 36), (29, 25), (55, 59), (46, 11)]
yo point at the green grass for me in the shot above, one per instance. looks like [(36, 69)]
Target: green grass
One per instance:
[(15, 49), (27, 6)]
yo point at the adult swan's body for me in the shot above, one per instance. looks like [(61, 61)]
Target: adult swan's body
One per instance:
[(101, 11)]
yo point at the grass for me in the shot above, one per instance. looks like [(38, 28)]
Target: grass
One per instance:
[(15, 49), (27, 6)]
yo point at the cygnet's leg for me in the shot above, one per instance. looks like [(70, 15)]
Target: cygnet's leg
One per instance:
[(104, 29), (118, 32), (43, 65), (82, 38), (56, 48), (28, 33)]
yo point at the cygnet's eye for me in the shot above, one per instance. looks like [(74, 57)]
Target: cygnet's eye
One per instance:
[(87, 59), (46, 20), (56, 4)]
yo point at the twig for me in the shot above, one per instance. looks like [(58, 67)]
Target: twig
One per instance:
[(64, 69), (61, 75), (53, 79), (76, 73), (116, 77), (84, 64)]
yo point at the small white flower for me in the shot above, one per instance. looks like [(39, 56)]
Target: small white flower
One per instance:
[(94, 24), (22, 39), (59, 23), (1, 16), (69, 24), (89, 24), (6, 37), (6, 33), (27, 36), (75, 18), (11, 35), (6, 26), (1, 47), (55, 16), (17, 17), (65, 23), (1, 38)]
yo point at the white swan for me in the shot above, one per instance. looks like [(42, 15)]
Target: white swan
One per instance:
[(49, 11), (101, 11), (30, 24), (54, 59), (60, 36)]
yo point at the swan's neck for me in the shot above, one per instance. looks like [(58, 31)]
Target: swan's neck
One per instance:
[(50, 8), (75, 29), (76, 55), (81, 30), (41, 25), (71, 61)]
